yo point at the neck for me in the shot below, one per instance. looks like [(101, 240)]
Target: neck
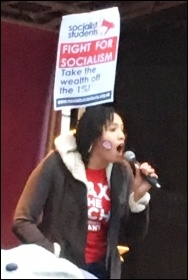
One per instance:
[(96, 162)]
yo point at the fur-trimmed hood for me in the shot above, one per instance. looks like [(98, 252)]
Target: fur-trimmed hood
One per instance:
[(66, 146)]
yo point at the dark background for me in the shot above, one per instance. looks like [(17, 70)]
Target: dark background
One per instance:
[(151, 93)]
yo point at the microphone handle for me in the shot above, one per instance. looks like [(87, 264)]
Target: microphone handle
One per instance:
[(152, 180)]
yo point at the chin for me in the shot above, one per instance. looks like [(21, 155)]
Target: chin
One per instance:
[(116, 159)]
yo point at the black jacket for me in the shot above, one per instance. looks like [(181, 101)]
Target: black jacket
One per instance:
[(53, 208)]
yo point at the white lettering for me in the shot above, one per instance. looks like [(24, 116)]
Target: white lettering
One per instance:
[(76, 48), (104, 215), (91, 190), (91, 213), (103, 189), (94, 227), (95, 202)]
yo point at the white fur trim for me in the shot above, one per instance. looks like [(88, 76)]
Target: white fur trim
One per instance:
[(57, 249), (73, 161), (140, 205), (108, 172)]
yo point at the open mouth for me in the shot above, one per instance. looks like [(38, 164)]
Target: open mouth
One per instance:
[(120, 148)]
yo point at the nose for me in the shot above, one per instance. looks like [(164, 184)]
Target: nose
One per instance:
[(121, 135)]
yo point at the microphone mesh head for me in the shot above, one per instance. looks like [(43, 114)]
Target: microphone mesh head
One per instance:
[(130, 156)]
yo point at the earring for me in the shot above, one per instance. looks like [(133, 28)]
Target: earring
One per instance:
[(90, 148)]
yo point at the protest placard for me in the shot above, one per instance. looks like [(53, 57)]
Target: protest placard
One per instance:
[(86, 59)]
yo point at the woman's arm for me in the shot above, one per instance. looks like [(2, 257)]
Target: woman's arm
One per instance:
[(134, 224), (31, 203)]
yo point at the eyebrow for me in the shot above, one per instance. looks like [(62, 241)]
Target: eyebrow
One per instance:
[(116, 124)]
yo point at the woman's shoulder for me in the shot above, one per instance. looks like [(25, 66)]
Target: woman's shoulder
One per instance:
[(123, 166), (50, 160)]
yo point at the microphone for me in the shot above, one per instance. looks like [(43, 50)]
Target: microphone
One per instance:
[(131, 158)]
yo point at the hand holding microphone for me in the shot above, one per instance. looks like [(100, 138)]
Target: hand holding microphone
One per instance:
[(151, 177), (144, 178)]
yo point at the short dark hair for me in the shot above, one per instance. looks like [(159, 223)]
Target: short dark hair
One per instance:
[(90, 128)]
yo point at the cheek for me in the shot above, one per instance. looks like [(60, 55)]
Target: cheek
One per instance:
[(108, 142)]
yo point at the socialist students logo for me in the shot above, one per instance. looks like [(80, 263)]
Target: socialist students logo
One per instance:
[(104, 26), (101, 28)]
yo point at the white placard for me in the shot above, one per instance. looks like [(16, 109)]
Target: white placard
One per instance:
[(86, 59)]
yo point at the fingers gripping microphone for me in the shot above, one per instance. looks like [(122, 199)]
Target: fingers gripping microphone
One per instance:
[(130, 157)]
